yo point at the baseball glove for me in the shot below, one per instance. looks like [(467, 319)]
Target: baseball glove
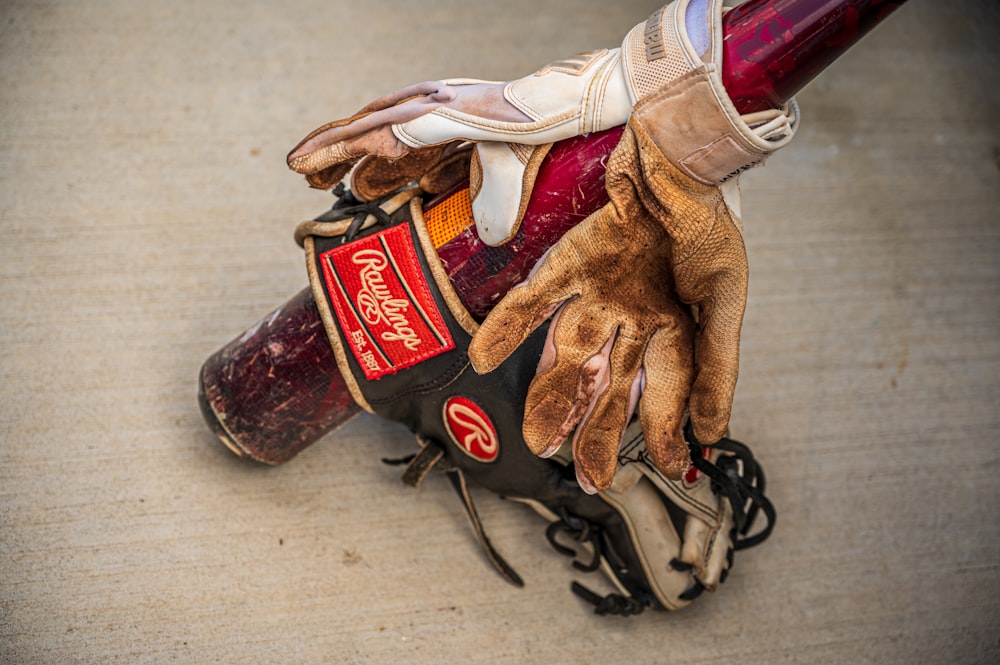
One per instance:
[(401, 336)]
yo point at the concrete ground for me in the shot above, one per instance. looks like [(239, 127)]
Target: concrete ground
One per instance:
[(146, 218)]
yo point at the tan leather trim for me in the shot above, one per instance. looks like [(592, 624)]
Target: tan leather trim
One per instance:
[(332, 330), (444, 284), (714, 161), (689, 126), (475, 174)]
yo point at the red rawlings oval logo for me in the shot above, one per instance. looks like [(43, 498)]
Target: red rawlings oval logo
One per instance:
[(471, 429)]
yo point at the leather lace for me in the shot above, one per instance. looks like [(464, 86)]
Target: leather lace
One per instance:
[(736, 476)]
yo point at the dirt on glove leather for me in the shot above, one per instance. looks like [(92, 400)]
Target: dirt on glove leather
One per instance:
[(621, 286)]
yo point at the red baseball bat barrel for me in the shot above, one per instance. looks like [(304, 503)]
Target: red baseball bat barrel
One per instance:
[(773, 48), (276, 389)]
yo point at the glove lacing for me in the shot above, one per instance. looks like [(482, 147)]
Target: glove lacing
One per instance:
[(739, 478), (350, 215), (613, 603), (601, 546), (736, 476)]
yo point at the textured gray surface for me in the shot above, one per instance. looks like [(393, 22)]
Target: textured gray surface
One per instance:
[(146, 218)]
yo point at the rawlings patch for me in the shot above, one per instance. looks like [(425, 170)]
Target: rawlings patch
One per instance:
[(383, 303), (471, 429)]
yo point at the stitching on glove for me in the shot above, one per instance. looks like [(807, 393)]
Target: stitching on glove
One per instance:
[(439, 383)]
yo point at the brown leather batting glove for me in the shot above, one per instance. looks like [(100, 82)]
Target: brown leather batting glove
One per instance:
[(617, 287)]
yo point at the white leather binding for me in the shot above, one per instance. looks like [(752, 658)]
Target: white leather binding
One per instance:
[(580, 94), (497, 204)]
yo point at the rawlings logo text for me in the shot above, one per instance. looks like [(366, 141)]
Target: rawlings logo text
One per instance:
[(385, 309), (375, 301)]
